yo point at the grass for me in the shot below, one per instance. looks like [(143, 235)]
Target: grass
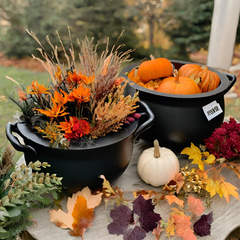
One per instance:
[(8, 109)]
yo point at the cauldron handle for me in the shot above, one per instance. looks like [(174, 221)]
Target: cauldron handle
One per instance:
[(12, 127), (232, 79), (146, 125)]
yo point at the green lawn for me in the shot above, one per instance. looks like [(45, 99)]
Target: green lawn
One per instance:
[(8, 109)]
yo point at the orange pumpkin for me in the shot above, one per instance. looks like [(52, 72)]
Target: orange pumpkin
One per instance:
[(178, 85), (209, 80), (133, 75), (155, 68)]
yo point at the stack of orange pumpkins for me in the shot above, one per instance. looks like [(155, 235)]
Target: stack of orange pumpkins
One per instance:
[(157, 74)]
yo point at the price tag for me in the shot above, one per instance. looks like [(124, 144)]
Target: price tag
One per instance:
[(212, 110)]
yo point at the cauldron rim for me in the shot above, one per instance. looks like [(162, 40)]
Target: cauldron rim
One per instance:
[(30, 136), (219, 90)]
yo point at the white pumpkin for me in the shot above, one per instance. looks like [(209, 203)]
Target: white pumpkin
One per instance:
[(157, 166)]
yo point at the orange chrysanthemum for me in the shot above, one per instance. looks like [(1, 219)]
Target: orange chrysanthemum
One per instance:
[(80, 94), (22, 95), (54, 112), (74, 78), (75, 128), (36, 88)]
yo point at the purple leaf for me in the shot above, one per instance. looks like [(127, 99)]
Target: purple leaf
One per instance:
[(202, 227), (136, 233), (142, 206), (122, 217), (144, 209)]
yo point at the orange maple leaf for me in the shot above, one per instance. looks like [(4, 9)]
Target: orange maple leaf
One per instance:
[(82, 215), (182, 225), (195, 205), (173, 199), (65, 220)]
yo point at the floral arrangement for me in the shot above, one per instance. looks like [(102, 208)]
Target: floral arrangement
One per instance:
[(225, 140), (20, 190), (84, 99)]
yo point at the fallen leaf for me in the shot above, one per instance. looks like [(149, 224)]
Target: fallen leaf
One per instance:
[(170, 230), (82, 215), (179, 180), (210, 159), (65, 220), (173, 199), (107, 189), (157, 231), (194, 154), (229, 189), (202, 227), (182, 224), (125, 221), (195, 205)]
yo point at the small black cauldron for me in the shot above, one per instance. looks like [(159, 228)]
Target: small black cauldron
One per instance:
[(182, 119)]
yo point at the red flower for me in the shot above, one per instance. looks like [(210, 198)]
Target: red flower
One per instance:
[(75, 128), (225, 141)]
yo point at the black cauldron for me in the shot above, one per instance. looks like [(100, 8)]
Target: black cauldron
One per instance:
[(180, 119), (82, 166)]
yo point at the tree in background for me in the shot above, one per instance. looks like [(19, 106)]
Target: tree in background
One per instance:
[(91, 18), (43, 17), (188, 25)]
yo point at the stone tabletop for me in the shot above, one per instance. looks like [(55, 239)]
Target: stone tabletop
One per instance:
[(226, 216)]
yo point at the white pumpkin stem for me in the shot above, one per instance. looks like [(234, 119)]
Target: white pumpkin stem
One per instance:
[(152, 57), (176, 75), (156, 149)]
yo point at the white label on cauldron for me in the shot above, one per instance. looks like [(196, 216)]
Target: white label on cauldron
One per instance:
[(212, 110)]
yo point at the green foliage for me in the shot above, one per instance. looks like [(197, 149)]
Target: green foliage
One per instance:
[(21, 188), (98, 19), (188, 24)]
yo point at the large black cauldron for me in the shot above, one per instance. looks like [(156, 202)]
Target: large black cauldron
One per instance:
[(180, 119), (82, 166)]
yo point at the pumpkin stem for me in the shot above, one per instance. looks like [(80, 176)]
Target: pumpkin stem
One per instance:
[(175, 74), (152, 57), (156, 149)]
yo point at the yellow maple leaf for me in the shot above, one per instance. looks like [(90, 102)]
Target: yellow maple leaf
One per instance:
[(170, 230), (212, 186), (229, 189), (194, 154), (210, 159), (108, 190)]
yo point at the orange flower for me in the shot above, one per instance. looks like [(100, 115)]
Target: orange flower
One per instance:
[(73, 77), (36, 88), (54, 112), (22, 95), (80, 94), (59, 99)]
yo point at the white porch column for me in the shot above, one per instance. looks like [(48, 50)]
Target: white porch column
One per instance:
[(223, 33)]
